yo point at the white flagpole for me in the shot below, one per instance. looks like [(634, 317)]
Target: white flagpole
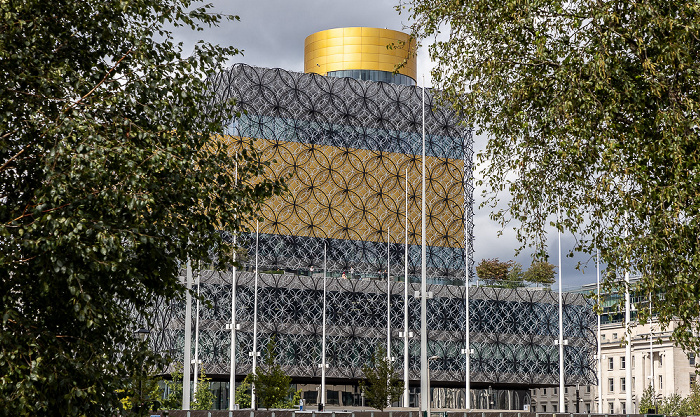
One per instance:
[(188, 341), (253, 402), (232, 377), (467, 346), (406, 391), (651, 345), (424, 382), (628, 337), (196, 336), (600, 358), (323, 341), (561, 321), (388, 297)]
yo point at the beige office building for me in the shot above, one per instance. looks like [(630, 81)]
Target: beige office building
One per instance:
[(670, 370)]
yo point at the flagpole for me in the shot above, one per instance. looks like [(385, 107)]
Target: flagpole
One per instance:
[(323, 342), (467, 241), (232, 377), (406, 391), (424, 375), (196, 335), (388, 303), (253, 396), (651, 344), (388, 298), (561, 319), (628, 337), (188, 340), (600, 359)]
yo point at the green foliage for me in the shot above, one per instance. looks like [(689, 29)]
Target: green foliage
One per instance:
[(693, 400), (243, 398), (648, 400), (203, 397), (673, 405), (272, 386), (515, 275), (500, 274), (110, 177), (174, 399), (382, 385), (591, 106), (146, 395), (540, 272)]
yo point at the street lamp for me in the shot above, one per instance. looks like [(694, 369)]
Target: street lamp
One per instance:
[(142, 335)]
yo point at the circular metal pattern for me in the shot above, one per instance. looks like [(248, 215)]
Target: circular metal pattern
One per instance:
[(513, 331), (347, 145)]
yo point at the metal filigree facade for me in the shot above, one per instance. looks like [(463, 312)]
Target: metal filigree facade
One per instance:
[(513, 332), (348, 145)]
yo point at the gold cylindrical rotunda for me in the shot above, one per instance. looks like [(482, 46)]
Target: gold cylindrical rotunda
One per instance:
[(362, 53)]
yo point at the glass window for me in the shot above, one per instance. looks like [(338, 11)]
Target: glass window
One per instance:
[(611, 364), (614, 335), (310, 397), (624, 408), (661, 360), (623, 385), (611, 407), (332, 397), (611, 385), (691, 359), (622, 363), (661, 382), (588, 408), (544, 390), (544, 408), (692, 380)]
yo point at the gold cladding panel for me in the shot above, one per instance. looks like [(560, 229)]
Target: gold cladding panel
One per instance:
[(349, 42), (345, 193)]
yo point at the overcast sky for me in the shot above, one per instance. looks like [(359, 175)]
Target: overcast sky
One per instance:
[(271, 34)]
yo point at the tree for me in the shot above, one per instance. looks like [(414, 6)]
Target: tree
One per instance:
[(382, 385), (273, 387), (203, 397), (243, 397), (144, 394), (111, 177), (592, 107), (515, 276), (648, 400), (673, 405), (693, 400), (493, 270), (540, 272), (500, 274)]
